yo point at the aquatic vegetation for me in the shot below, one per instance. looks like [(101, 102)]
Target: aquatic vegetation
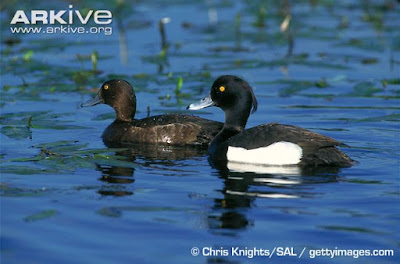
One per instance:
[(64, 157), (329, 66)]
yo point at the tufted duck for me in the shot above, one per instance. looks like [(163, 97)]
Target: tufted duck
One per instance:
[(268, 144), (173, 129)]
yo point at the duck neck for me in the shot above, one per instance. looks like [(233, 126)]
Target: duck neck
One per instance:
[(235, 123), (125, 109), (237, 119), (226, 133)]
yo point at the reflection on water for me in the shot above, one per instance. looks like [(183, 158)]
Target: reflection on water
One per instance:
[(148, 155), (116, 175), (260, 169), (239, 189), (157, 151)]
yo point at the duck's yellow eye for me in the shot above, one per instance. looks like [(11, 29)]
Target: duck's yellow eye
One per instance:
[(222, 88), (106, 87)]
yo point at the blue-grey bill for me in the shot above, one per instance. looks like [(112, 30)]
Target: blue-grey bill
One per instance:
[(94, 101), (203, 103)]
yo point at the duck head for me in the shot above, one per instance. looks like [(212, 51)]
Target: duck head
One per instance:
[(119, 95), (234, 96)]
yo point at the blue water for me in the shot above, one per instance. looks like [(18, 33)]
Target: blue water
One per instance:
[(147, 207)]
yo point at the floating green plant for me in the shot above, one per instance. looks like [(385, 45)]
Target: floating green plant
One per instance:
[(41, 215), (65, 156), (21, 125)]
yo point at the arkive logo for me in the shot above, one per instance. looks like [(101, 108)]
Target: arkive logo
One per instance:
[(63, 17)]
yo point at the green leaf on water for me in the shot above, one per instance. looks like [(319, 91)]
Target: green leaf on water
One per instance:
[(55, 144), (365, 89), (28, 55), (348, 229), (36, 158), (41, 215), (67, 156), (9, 191), (68, 148), (369, 61), (321, 84), (66, 164), (141, 76), (19, 125), (16, 132), (392, 81), (26, 170), (110, 212)]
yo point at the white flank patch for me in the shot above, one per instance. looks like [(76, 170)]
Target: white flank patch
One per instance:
[(279, 153)]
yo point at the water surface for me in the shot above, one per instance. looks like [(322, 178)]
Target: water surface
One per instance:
[(66, 198)]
